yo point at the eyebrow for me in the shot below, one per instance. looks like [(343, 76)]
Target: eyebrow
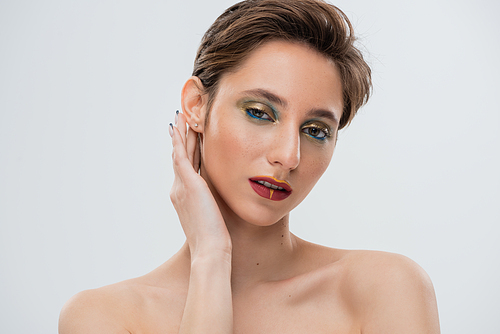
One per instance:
[(324, 113), (275, 99)]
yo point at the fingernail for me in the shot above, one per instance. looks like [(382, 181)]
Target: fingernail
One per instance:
[(171, 129), (176, 116)]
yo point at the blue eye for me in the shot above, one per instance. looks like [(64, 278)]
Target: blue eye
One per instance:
[(258, 114), (316, 132)]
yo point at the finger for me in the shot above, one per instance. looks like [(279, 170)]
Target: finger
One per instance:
[(180, 160), (191, 143), (181, 125), (197, 155)]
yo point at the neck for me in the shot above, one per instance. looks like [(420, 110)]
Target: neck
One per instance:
[(259, 253)]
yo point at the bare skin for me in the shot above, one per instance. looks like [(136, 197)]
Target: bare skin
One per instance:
[(241, 270)]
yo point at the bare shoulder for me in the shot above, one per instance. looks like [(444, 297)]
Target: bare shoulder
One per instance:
[(101, 310), (376, 267), (150, 303), (390, 293)]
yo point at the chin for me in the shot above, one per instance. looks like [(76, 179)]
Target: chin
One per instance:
[(265, 220), (241, 204), (255, 213)]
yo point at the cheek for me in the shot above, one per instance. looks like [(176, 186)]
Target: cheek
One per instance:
[(232, 142), (315, 164)]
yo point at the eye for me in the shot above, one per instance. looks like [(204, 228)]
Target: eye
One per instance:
[(316, 131), (258, 113)]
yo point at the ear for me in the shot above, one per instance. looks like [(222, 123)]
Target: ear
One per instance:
[(194, 103)]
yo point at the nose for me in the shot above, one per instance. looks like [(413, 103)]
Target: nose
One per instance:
[(285, 149)]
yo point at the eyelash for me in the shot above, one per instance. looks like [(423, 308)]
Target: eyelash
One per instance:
[(251, 113), (326, 132)]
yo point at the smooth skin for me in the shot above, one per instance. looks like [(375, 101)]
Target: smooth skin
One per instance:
[(241, 270)]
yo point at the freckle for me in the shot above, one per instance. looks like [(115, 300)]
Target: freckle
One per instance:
[(257, 263), (282, 235), (282, 243), (289, 295)]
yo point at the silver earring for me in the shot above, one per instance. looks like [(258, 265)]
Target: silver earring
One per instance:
[(195, 124)]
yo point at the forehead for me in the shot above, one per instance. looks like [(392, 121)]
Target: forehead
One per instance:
[(294, 71)]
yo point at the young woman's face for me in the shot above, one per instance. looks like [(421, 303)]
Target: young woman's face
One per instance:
[(274, 120)]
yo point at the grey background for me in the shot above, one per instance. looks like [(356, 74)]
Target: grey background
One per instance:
[(87, 89)]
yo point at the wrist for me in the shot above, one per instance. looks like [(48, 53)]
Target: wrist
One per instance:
[(211, 265), (206, 248), (208, 245), (211, 254)]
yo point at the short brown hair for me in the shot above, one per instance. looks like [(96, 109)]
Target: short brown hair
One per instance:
[(248, 24)]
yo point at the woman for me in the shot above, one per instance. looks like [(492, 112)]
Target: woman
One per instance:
[(272, 84)]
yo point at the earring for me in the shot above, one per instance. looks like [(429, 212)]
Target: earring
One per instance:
[(195, 124)]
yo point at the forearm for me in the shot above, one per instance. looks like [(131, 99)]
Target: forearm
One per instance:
[(208, 306)]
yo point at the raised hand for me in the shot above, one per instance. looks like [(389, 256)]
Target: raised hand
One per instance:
[(196, 207), (208, 306)]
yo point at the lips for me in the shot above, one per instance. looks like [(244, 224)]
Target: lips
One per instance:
[(270, 188)]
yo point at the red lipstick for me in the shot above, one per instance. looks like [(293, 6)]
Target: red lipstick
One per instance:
[(270, 187)]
